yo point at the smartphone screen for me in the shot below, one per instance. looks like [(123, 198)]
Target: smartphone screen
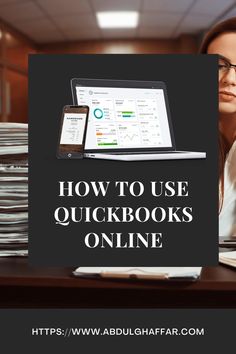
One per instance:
[(73, 132)]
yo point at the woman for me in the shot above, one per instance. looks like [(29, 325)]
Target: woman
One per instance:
[(221, 40)]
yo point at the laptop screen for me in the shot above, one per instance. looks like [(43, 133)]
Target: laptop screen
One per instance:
[(125, 118)]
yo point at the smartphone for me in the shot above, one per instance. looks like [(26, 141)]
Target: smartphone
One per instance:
[(72, 133)]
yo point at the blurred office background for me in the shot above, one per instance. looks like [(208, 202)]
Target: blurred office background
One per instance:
[(94, 26)]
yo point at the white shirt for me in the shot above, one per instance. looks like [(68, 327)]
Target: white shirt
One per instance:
[(227, 217)]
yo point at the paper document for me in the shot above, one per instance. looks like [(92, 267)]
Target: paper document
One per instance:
[(18, 253), (13, 169), (140, 272), (10, 126), (228, 258), (6, 150)]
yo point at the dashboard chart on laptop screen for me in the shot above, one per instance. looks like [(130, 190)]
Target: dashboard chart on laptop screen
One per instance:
[(125, 117)]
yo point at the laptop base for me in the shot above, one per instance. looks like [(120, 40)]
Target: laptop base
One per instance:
[(174, 155)]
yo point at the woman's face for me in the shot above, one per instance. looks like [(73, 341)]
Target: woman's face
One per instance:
[(225, 46)]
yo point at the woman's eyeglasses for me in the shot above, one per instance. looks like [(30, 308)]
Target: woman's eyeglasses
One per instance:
[(225, 66)]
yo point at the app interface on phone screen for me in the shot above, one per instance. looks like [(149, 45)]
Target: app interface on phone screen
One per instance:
[(73, 128)]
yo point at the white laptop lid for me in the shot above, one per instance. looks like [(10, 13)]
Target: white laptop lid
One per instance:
[(125, 115)]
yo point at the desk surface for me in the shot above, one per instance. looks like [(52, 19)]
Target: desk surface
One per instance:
[(24, 286)]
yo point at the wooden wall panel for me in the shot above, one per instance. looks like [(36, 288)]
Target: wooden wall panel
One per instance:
[(17, 94), (184, 44), (14, 49)]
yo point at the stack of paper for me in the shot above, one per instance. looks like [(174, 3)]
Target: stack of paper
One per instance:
[(228, 258), (13, 189)]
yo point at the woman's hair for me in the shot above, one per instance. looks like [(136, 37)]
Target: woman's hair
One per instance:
[(220, 28)]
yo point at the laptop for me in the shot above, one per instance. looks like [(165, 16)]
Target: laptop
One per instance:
[(128, 120)]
